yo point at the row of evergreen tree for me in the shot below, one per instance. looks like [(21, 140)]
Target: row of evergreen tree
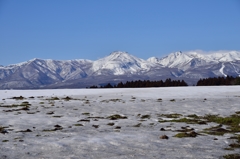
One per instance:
[(217, 81), (146, 83), (211, 81)]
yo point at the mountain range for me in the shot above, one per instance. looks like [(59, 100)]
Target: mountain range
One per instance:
[(116, 67)]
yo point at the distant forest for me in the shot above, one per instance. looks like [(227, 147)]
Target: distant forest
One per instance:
[(217, 81), (146, 83), (211, 81)]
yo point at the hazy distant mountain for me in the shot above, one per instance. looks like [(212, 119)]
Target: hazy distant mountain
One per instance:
[(118, 66)]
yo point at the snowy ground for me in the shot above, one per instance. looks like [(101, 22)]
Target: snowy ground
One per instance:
[(53, 126)]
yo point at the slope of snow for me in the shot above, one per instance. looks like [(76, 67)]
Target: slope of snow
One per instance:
[(94, 138), (221, 70), (120, 63), (197, 55), (217, 56), (189, 59), (225, 56), (176, 59), (153, 60), (235, 69)]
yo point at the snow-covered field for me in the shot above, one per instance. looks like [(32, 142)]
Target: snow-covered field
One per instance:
[(78, 123)]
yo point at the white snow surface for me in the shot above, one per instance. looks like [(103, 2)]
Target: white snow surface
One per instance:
[(221, 70), (235, 69), (120, 63), (180, 59), (175, 59), (88, 142)]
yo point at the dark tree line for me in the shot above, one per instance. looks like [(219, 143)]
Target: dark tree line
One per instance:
[(217, 81), (146, 83)]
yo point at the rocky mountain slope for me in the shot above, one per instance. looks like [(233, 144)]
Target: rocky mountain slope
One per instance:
[(118, 66)]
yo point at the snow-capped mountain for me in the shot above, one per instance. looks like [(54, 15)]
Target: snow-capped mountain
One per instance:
[(193, 59), (120, 63), (184, 60), (177, 59), (116, 67)]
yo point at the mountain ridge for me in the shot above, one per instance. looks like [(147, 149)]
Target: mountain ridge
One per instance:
[(118, 66)]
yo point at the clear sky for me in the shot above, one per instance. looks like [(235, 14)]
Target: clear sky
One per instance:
[(91, 29)]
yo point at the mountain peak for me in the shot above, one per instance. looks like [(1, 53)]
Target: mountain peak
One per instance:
[(119, 63), (179, 53), (153, 60), (120, 56), (174, 59), (118, 52)]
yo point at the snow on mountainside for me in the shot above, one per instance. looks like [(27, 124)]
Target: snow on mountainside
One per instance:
[(153, 60), (37, 72), (225, 56), (119, 66), (218, 56), (120, 63), (175, 59), (194, 58), (182, 61)]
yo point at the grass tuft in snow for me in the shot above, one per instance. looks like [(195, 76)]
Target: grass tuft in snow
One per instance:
[(87, 114), (25, 103), (232, 146), (159, 99), (185, 129), (185, 134), (18, 98), (67, 98), (116, 117), (193, 116), (232, 156), (164, 137), (137, 125), (2, 130), (53, 98), (217, 130), (95, 126), (50, 113), (237, 112), (56, 127), (78, 124), (10, 106), (115, 100), (232, 121), (110, 124), (118, 127), (174, 115), (57, 116), (145, 116)]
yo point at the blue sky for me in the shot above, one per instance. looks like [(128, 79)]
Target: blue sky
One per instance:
[(91, 29)]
